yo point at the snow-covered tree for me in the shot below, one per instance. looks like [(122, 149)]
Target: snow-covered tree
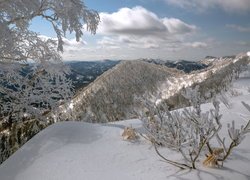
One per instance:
[(33, 76)]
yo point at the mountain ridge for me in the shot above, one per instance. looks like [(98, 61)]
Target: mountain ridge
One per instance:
[(112, 95)]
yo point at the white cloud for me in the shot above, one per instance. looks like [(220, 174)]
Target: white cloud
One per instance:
[(143, 43), (197, 45), (74, 43), (67, 42), (140, 28), (238, 27), (176, 26), (127, 42), (138, 21), (72, 49), (239, 6), (108, 42)]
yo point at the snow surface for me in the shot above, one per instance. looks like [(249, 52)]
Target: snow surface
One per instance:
[(79, 151), (248, 53)]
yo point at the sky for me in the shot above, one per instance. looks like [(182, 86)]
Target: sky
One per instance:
[(160, 29)]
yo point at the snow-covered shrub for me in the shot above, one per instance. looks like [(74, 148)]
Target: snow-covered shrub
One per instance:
[(235, 137), (235, 93), (189, 131)]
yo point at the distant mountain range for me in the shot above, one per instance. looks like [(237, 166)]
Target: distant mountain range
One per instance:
[(85, 72), (184, 65)]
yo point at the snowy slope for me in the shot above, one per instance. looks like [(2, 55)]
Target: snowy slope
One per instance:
[(75, 150), (79, 151)]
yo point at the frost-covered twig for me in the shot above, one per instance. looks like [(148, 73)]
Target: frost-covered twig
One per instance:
[(236, 136)]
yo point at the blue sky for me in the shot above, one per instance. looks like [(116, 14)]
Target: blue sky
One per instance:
[(165, 29)]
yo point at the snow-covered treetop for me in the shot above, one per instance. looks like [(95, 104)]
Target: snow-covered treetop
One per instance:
[(64, 15)]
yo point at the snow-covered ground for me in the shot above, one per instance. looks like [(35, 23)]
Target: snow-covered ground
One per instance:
[(79, 151)]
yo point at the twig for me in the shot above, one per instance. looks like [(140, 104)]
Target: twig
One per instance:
[(179, 165)]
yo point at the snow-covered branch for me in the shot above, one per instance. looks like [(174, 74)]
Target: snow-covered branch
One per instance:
[(33, 76)]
